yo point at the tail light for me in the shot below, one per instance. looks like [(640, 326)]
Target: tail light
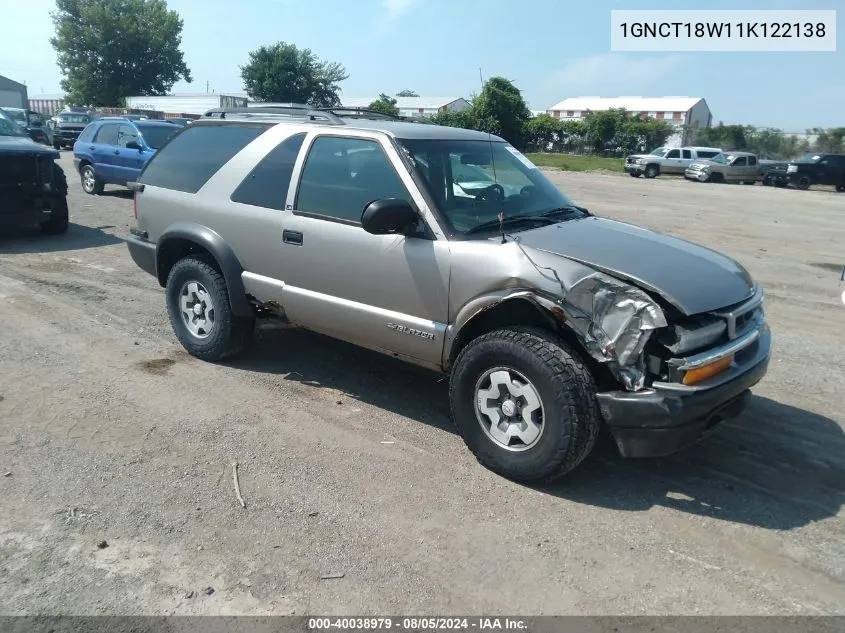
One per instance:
[(135, 205)]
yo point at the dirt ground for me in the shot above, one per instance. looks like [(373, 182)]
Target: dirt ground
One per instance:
[(348, 463)]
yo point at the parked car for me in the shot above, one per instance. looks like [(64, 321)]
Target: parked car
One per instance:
[(773, 172), (817, 168), (33, 188), (115, 150), (738, 167), (549, 320), (32, 123), (64, 128), (666, 160)]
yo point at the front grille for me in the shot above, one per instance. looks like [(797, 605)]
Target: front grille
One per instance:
[(18, 172)]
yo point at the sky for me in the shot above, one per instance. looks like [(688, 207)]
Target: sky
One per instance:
[(551, 49)]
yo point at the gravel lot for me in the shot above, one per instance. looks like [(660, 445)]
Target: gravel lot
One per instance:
[(348, 464)]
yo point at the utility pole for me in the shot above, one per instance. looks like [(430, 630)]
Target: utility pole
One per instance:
[(481, 77), (206, 86)]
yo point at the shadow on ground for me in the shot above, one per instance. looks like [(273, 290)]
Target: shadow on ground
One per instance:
[(78, 237), (369, 377), (776, 467)]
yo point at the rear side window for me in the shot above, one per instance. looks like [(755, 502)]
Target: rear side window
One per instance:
[(267, 185), (752, 160), (706, 154), (687, 153), (88, 134), (196, 153), (108, 134)]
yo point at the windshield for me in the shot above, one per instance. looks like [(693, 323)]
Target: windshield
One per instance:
[(472, 182), (808, 158), (720, 158), (75, 118), (156, 135), (18, 116), (658, 152), (9, 127)]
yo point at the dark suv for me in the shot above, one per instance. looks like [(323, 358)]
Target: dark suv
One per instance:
[(817, 169), (64, 128)]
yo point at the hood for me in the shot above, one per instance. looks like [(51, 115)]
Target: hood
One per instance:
[(68, 125), (24, 145), (641, 156), (692, 278)]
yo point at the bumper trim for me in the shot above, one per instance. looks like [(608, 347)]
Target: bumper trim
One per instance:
[(143, 253), (663, 419)]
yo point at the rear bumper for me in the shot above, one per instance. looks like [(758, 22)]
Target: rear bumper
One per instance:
[(662, 420), (143, 253)]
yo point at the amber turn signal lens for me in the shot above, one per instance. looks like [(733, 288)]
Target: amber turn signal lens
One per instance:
[(694, 376)]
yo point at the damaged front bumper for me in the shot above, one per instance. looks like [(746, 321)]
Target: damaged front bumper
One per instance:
[(667, 417)]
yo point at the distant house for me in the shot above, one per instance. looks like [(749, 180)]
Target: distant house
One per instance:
[(413, 106), (676, 111), (12, 94)]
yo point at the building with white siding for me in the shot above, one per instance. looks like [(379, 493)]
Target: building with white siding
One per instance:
[(187, 104), (412, 106), (676, 111)]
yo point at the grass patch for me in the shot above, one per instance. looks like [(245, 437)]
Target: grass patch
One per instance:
[(573, 162)]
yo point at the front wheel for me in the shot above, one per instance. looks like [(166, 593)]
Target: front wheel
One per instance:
[(803, 183), (635, 174), (200, 312), (59, 218), (652, 171), (524, 403)]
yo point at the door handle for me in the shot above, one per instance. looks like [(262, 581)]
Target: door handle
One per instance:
[(92, 148), (292, 237), (116, 152)]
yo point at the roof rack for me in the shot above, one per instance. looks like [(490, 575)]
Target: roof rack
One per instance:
[(360, 113), (269, 112)]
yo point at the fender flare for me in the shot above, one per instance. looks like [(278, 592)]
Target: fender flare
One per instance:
[(475, 307), (222, 253)]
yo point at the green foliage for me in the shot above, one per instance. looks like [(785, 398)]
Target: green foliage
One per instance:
[(283, 72), (768, 142), (385, 103), (601, 131), (499, 109), (407, 93), (111, 49)]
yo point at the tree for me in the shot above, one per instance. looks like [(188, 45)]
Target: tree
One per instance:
[(111, 49), (385, 103), (542, 133), (602, 126), (407, 93), (500, 109), (283, 72)]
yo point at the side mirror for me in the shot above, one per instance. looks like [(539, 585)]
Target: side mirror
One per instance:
[(134, 145), (387, 216)]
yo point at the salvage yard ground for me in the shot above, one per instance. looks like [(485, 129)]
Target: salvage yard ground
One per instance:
[(117, 450)]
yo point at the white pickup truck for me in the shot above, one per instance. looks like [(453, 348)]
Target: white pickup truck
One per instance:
[(667, 160)]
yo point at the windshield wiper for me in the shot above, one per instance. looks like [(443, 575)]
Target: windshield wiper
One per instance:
[(565, 209), (514, 219)]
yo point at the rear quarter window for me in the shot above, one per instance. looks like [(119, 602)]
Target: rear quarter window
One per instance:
[(195, 154), (706, 154)]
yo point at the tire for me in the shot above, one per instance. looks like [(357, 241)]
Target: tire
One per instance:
[(634, 174), (91, 184), (840, 186), (767, 180), (539, 362), (59, 217), (803, 183), (225, 334), (57, 146), (652, 171)]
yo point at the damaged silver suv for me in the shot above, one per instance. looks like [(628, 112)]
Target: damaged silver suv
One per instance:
[(449, 249)]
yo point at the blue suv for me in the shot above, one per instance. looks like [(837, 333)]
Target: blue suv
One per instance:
[(113, 151)]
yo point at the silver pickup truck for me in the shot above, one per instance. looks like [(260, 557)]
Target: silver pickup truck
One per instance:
[(449, 249), (666, 160)]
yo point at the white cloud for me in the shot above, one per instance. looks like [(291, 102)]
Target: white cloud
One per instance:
[(396, 8), (612, 74)]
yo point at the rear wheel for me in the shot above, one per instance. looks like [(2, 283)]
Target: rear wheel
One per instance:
[(524, 403), (90, 183), (652, 171), (200, 312)]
